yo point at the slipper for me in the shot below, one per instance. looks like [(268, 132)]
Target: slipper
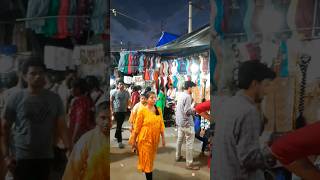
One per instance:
[(191, 167)]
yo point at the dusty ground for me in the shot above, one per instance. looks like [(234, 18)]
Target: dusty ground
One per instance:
[(123, 162)]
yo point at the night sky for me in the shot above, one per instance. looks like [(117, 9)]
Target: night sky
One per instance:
[(174, 14)]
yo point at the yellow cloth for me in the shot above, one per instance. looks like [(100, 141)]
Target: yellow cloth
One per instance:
[(148, 127), (133, 117), (89, 158), (134, 112)]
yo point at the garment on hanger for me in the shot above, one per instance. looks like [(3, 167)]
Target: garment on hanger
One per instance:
[(121, 63), (258, 9), (304, 16), (63, 21), (37, 8), (51, 26), (130, 63), (73, 11), (141, 62), (146, 75), (79, 23), (20, 37), (98, 22), (182, 67), (234, 13)]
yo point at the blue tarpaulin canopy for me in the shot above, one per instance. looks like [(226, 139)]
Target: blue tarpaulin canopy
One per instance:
[(194, 42), (166, 38)]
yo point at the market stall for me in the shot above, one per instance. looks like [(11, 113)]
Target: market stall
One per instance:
[(185, 58)]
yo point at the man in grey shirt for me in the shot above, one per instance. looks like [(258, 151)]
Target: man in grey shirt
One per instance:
[(120, 100), (236, 151), (39, 118), (184, 121)]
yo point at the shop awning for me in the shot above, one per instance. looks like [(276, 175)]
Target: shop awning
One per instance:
[(166, 38), (194, 42)]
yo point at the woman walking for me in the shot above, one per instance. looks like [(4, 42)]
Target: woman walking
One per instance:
[(146, 134), (81, 111)]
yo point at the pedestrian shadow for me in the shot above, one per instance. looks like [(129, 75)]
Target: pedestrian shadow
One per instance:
[(203, 160), (114, 157), (166, 150), (160, 175)]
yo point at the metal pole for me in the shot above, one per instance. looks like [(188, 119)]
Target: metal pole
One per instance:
[(190, 17)]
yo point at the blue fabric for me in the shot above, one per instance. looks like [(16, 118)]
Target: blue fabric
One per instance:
[(284, 63), (234, 17), (219, 17), (248, 20), (175, 81), (197, 124), (8, 50), (166, 38), (37, 8)]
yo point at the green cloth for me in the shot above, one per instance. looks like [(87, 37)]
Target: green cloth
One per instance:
[(51, 27), (161, 102)]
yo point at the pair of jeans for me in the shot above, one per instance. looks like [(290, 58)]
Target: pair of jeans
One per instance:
[(32, 169), (204, 140), (119, 117), (189, 134)]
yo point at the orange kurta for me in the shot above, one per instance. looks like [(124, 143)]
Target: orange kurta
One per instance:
[(148, 127), (133, 117)]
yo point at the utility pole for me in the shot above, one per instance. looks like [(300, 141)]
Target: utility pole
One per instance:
[(190, 17)]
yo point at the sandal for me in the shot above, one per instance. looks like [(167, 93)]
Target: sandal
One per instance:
[(192, 167)]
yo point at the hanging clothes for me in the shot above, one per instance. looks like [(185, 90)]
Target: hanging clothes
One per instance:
[(37, 8), (304, 17), (63, 31), (91, 59), (72, 10), (234, 13), (182, 69), (204, 64), (126, 62), (79, 23), (51, 26), (98, 16), (247, 22), (146, 75), (58, 58), (282, 7), (141, 62), (20, 37), (130, 63), (121, 63), (218, 23), (291, 16), (284, 72), (258, 9)]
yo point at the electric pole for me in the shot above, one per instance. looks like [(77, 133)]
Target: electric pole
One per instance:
[(190, 17)]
